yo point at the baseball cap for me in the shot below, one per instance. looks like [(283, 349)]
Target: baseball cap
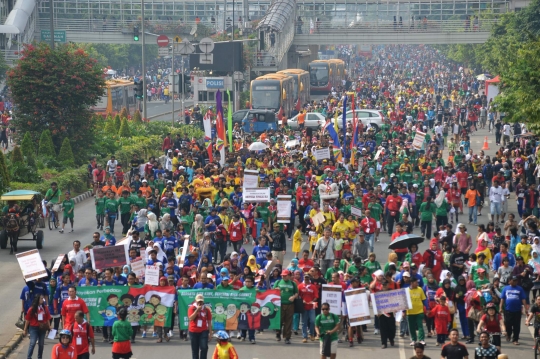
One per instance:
[(225, 278), (285, 272), (406, 264), (199, 298), (143, 181), (407, 274)]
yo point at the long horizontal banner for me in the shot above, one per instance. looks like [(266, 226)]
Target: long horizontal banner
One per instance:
[(235, 310), (256, 195), (391, 301), (146, 305)]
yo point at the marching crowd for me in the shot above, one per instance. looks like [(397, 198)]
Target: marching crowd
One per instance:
[(478, 275)]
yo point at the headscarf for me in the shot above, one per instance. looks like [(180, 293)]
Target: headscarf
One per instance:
[(533, 261), (471, 292), (432, 283), (142, 218), (254, 267), (432, 183), (153, 224), (392, 257), (129, 270), (383, 183), (440, 199), (166, 222), (294, 265), (447, 291), (71, 274)]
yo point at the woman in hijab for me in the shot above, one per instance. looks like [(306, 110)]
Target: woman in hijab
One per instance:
[(383, 184), (474, 309), (166, 223), (139, 222), (161, 256), (252, 264), (431, 289), (68, 269), (152, 225), (293, 266), (197, 230)]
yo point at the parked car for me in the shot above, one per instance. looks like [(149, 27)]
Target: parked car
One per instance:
[(368, 117), (313, 120)]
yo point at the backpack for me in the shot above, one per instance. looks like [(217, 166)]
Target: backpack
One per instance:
[(488, 171)]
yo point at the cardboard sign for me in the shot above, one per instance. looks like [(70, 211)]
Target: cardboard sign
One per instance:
[(284, 209), (151, 275), (391, 301), (57, 262), (331, 294), (355, 211), (31, 265), (138, 268), (256, 195), (418, 140), (322, 154), (107, 257), (251, 179), (357, 306), (318, 219)]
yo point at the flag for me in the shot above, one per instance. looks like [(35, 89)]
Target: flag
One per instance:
[(336, 127), (207, 122), (344, 118), (298, 105), (229, 121), (333, 134), (220, 128), (280, 114), (269, 296), (355, 131)]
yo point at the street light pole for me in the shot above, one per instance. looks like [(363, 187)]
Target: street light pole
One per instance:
[(143, 62), (51, 6), (183, 87), (172, 89)]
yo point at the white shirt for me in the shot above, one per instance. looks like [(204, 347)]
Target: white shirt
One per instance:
[(79, 258), (506, 130), (495, 194), (506, 192), (111, 165)]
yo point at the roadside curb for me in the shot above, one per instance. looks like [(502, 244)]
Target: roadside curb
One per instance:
[(78, 199), (9, 347)]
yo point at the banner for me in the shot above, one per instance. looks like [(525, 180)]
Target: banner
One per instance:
[(284, 204), (151, 275), (322, 153), (146, 305), (107, 257), (256, 195), (391, 301), (57, 262), (418, 140), (207, 122), (331, 294), (185, 248), (235, 310), (251, 179), (31, 265), (138, 267), (357, 306)]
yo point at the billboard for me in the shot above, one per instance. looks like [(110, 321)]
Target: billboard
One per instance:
[(224, 52)]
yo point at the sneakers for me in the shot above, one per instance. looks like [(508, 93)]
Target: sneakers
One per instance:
[(287, 341), (412, 344), (252, 341), (311, 337), (238, 336), (278, 338), (242, 339), (376, 331), (304, 340), (423, 342), (143, 335), (350, 344), (154, 335), (61, 231), (72, 230)]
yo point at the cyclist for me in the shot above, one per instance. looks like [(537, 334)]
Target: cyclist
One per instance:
[(534, 312), (493, 324), (53, 197), (98, 177)]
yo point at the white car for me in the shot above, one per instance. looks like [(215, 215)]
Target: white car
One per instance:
[(313, 120), (374, 118)]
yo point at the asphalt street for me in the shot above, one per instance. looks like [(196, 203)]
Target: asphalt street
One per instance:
[(11, 283)]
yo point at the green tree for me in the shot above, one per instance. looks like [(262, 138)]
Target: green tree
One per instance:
[(123, 113), (31, 161), (137, 117), (66, 154), (46, 146), (124, 129), (3, 68), (55, 90), (117, 123), (109, 126), (16, 155), (27, 145), (4, 174)]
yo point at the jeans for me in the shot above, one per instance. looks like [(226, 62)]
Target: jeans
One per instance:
[(199, 344), (495, 208), (370, 238), (100, 218), (391, 220), (308, 315), (463, 318), (404, 326), (473, 214), (236, 245), (221, 249), (107, 332), (111, 219), (415, 323), (425, 228), (250, 333), (36, 336), (296, 321)]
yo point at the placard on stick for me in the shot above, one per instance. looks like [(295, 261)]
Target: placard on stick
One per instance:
[(31, 265), (107, 257)]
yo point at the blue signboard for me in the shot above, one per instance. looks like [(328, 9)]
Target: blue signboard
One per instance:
[(215, 84)]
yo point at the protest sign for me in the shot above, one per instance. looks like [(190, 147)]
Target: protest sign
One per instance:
[(331, 294), (378, 154), (57, 262), (355, 211), (418, 140), (251, 179), (31, 265), (235, 310), (138, 268), (256, 195), (321, 153), (391, 301), (107, 257), (318, 219), (151, 275), (146, 305), (357, 306), (284, 209)]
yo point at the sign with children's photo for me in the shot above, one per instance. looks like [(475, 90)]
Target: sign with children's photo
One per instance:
[(146, 305), (235, 310)]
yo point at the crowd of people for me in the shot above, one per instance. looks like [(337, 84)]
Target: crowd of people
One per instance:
[(480, 276)]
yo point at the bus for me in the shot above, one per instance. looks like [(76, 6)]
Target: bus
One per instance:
[(273, 92), (117, 95), (325, 74), (301, 84)]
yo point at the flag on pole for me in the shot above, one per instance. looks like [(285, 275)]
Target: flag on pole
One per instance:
[(355, 131), (229, 121), (336, 148), (207, 122), (298, 105), (336, 127), (220, 128), (344, 118)]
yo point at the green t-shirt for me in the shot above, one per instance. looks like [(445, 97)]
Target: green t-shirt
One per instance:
[(287, 288), (125, 204), (100, 205), (480, 282), (49, 195), (329, 272), (326, 323), (264, 213), (372, 266), (111, 206), (68, 205), (139, 201), (376, 210), (425, 213)]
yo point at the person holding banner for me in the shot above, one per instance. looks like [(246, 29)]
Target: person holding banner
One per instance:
[(327, 324), (387, 323), (200, 328)]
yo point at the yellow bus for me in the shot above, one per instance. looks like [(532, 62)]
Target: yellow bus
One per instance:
[(117, 95), (301, 84), (272, 92)]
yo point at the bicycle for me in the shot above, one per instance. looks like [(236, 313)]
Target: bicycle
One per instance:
[(52, 216)]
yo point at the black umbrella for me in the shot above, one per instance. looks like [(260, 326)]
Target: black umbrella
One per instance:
[(405, 241)]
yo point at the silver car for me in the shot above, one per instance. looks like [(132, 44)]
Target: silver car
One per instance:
[(313, 120), (374, 118)]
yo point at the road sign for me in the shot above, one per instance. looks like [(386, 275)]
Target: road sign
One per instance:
[(185, 48), (59, 35), (206, 45), (207, 59), (162, 41), (163, 51), (177, 39)]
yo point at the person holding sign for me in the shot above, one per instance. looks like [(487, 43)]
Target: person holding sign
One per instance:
[(327, 324)]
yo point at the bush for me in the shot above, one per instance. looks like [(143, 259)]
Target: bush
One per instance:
[(66, 154), (123, 113), (4, 174), (124, 129), (117, 123), (21, 172), (109, 126), (46, 146), (17, 156), (31, 161), (27, 145), (137, 118), (74, 180)]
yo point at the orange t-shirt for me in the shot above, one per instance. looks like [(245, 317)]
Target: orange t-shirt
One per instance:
[(471, 197), (301, 118)]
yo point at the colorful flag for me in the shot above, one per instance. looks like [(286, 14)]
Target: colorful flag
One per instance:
[(229, 121), (220, 128), (298, 105), (336, 147), (207, 122), (355, 131), (344, 118)]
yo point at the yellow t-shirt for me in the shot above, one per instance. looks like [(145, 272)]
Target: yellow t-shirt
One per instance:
[(417, 297), (524, 250), (330, 218), (297, 241), (340, 228), (351, 225)]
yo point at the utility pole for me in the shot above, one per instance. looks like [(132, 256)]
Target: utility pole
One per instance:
[(173, 76), (143, 61), (51, 7)]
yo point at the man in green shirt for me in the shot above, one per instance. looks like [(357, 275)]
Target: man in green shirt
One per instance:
[(376, 210), (125, 203), (53, 197), (289, 292), (327, 323), (100, 209), (69, 206), (330, 271), (111, 210)]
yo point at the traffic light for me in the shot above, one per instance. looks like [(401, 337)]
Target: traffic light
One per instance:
[(181, 83), (139, 93), (135, 33)]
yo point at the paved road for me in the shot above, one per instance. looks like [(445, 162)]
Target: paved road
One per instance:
[(159, 107), (55, 243)]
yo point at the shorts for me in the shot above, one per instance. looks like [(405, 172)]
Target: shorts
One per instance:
[(504, 207), (65, 219), (84, 356), (333, 347), (496, 340), (378, 224), (495, 208)]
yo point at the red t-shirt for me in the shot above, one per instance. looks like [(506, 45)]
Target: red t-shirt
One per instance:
[(81, 334), (462, 179), (369, 225), (393, 203), (308, 293), (305, 265), (34, 320), (492, 326), (70, 307), (200, 323)]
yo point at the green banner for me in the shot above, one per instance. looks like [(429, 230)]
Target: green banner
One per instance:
[(146, 305), (235, 310)]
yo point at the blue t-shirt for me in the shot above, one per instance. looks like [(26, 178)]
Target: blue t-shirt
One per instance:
[(120, 280), (260, 254), (107, 283), (83, 282), (27, 294), (199, 285), (170, 243), (513, 297), (217, 222)]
